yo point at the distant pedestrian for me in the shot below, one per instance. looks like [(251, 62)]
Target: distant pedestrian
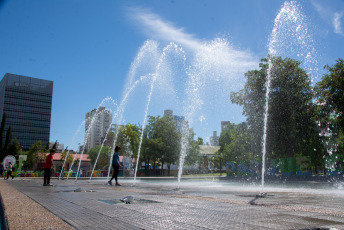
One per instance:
[(2, 170), (115, 165), (9, 170), (48, 166)]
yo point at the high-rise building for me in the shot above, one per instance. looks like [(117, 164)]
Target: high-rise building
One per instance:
[(98, 122), (179, 120), (27, 102), (214, 140), (224, 126)]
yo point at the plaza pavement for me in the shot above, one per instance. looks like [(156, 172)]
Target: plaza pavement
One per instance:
[(160, 204)]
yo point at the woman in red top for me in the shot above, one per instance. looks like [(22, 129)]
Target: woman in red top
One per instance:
[(47, 168)]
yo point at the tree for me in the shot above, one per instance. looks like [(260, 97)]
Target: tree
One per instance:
[(2, 129), (110, 139), (34, 155), (15, 148), (55, 145), (330, 97), (128, 139), (226, 138), (193, 154), (290, 106), (200, 141), (152, 143), (69, 159), (104, 156), (235, 143), (5, 150), (161, 141), (8, 138)]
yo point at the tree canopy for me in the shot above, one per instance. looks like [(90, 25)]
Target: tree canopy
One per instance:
[(128, 139), (161, 140), (330, 101), (34, 155), (104, 156), (235, 143), (290, 106), (330, 94)]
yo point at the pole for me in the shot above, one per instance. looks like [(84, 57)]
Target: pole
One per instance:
[(220, 166)]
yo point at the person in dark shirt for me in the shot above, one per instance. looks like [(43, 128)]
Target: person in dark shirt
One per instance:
[(2, 170), (115, 165), (48, 167), (9, 170)]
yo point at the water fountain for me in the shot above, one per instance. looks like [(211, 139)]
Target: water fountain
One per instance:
[(290, 37), (196, 81), (189, 80), (106, 102)]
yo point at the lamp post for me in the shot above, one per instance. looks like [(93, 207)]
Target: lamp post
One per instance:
[(220, 165)]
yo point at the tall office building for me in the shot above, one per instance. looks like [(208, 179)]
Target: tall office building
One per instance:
[(180, 121), (27, 102), (98, 122), (214, 140), (224, 126)]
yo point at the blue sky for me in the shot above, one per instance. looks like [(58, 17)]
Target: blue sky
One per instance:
[(88, 48)]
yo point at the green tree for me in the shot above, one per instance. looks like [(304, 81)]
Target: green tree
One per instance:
[(69, 158), (200, 141), (55, 145), (341, 142), (290, 107), (8, 139), (151, 150), (15, 148), (235, 143), (193, 153), (161, 141), (2, 129), (226, 138), (5, 151), (330, 97), (128, 139), (110, 139), (104, 156), (35, 155), (152, 143)]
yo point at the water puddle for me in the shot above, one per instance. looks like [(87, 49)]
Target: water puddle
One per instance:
[(134, 201)]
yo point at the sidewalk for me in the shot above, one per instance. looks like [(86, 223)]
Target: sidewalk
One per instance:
[(159, 205), (24, 213)]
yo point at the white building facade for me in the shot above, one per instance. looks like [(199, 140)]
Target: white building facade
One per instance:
[(97, 124), (214, 140), (180, 121)]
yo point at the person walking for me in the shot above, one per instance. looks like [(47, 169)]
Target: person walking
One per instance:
[(48, 168), (115, 165), (9, 170)]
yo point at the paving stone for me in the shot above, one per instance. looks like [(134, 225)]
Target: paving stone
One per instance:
[(190, 208)]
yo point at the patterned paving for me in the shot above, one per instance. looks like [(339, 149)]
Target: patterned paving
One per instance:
[(191, 207)]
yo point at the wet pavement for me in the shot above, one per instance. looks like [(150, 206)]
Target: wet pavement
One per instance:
[(194, 204)]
